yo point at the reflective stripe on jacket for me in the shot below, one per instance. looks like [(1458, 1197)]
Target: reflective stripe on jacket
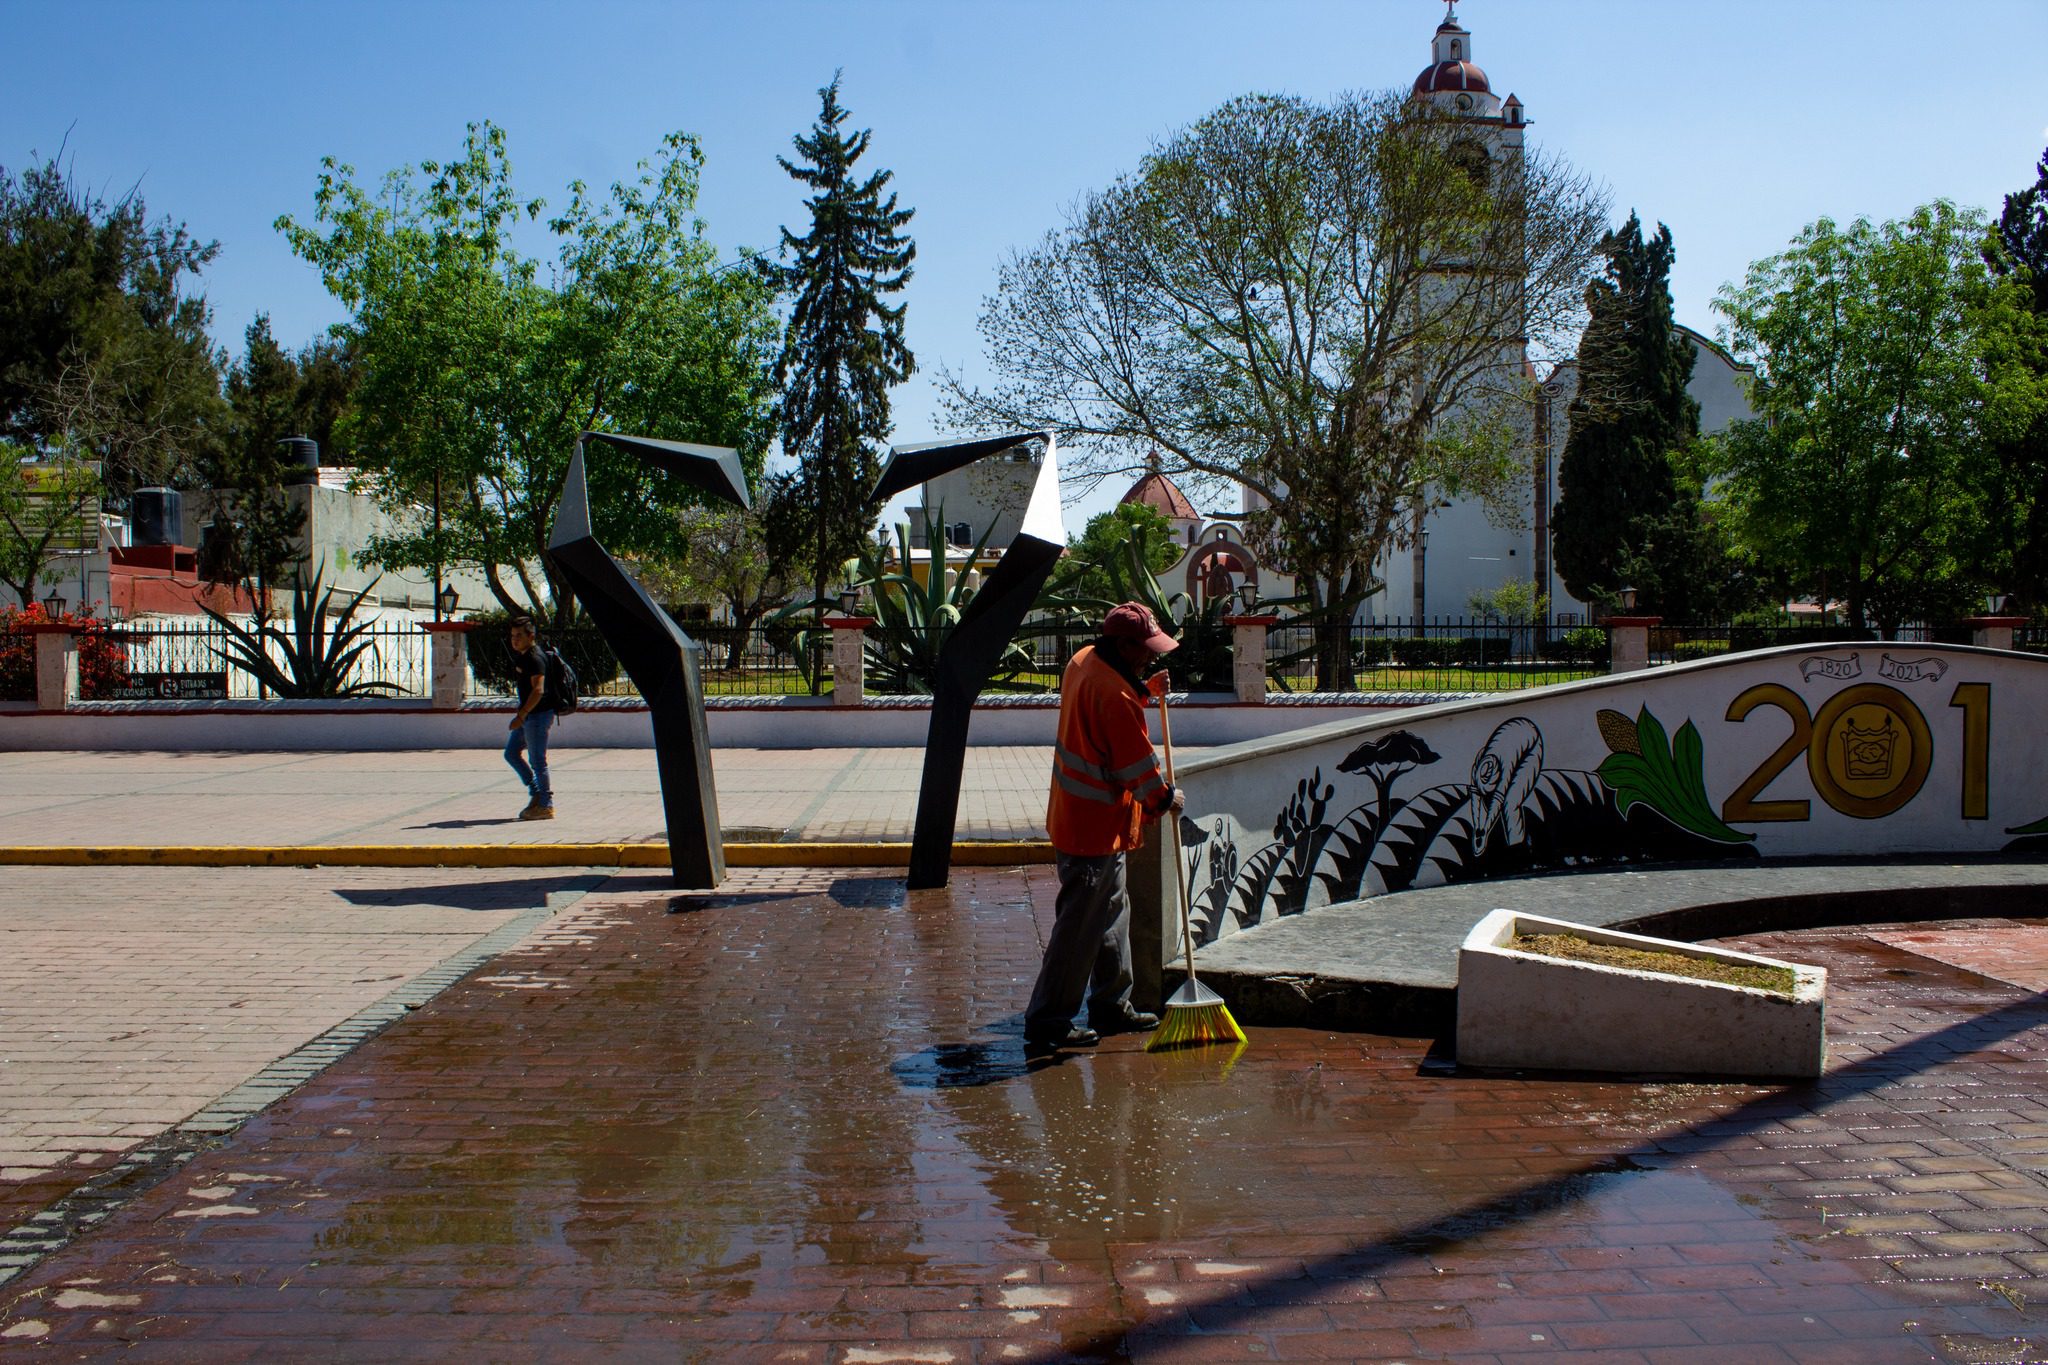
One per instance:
[(1105, 777)]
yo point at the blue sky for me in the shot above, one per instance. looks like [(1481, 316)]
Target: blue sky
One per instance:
[(1735, 121)]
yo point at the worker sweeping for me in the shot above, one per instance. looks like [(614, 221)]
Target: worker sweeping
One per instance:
[(1106, 784)]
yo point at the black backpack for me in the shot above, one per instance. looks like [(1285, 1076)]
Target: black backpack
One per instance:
[(561, 684)]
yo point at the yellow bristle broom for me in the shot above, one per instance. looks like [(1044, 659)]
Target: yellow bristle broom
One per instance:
[(1195, 1015)]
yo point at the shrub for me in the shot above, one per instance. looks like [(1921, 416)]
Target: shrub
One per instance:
[(581, 646), (102, 661), (1699, 649)]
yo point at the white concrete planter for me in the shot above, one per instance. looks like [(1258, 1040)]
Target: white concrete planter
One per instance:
[(1519, 1009)]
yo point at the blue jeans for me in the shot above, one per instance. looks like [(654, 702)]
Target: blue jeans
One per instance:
[(532, 737)]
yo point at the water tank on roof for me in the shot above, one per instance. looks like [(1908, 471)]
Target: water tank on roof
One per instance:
[(301, 459), (157, 515)]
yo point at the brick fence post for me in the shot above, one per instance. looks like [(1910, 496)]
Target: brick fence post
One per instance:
[(849, 658), (56, 664), (1248, 656), (1629, 642), (1993, 632), (448, 661)]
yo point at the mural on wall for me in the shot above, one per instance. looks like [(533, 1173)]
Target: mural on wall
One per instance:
[(1388, 812)]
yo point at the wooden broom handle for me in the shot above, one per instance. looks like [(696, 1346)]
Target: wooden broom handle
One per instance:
[(1180, 876)]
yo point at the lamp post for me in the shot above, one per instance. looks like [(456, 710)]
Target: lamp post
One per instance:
[(53, 605), (438, 588), (1628, 601), (444, 602)]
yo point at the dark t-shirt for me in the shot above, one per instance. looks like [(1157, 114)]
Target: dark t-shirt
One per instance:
[(526, 667)]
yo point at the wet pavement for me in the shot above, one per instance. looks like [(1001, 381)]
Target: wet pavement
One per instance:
[(792, 1120)]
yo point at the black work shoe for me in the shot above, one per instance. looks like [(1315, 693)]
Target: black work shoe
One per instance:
[(1130, 1021), (1076, 1036)]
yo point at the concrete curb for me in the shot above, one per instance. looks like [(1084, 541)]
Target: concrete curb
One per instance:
[(979, 853)]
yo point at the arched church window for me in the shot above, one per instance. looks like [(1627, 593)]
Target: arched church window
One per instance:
[(1471, 158), (1457, 50)]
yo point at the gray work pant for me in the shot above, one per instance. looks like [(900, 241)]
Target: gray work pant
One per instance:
[(1089, 952)]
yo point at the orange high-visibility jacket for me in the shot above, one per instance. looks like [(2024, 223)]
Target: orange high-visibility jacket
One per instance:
[(1105, 777)]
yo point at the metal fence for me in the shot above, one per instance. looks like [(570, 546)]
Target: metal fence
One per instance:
[(753, 661), (1441, 654), (397, 653), (1679, 643), (1435, 654)]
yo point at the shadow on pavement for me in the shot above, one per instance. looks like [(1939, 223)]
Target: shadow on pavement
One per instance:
[(466, 824), (522, 893), (869, 893), (1265, 1295)]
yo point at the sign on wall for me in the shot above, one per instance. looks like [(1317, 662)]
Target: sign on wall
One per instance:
[(1859, 750), (199, 686)]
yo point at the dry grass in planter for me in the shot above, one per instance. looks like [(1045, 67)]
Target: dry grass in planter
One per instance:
[(1779, 980)]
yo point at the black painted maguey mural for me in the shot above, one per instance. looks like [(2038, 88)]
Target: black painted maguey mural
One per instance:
[(1391, 818)]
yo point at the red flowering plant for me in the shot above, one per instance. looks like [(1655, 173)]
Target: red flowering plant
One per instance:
[(102, 661)]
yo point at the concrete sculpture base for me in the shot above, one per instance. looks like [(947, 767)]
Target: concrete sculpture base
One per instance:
[(1519, 1009)]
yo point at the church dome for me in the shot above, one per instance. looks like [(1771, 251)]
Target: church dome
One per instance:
[(1163, 496), (1451, 77)]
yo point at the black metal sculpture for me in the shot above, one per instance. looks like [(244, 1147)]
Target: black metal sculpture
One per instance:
[(657, 655), (983, 632)]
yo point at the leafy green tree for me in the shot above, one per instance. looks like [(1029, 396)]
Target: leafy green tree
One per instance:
[(45, 506), (843, 348), (1308, 300), (271, 394), (475, 373), (102, 346), (724, 560), (1887, 370), (1623, 519), (1514, 603), (1102, 543), (2018, 528)]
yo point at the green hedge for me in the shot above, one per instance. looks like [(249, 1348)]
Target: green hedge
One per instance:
[(490, 658)]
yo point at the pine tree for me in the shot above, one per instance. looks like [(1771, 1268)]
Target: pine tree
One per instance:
[(842, 351), (1623, 518)]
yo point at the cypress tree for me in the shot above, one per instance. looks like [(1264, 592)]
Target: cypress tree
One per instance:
[(1622, 516), (842, 350), (2018, 545)]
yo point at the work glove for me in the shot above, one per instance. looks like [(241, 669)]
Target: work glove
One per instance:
[(1157, 685)]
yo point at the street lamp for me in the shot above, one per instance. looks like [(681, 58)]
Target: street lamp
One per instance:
[(53, 605), (849, 600), (1628, 599), (444, 602)]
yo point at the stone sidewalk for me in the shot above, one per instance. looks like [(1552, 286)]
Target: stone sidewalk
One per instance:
[(792, 1120), (469, 796)]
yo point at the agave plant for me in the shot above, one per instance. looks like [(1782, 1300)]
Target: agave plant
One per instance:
[(913, 620), (317, 651), (1203, 661)]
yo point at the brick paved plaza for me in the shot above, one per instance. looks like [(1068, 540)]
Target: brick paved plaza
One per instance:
[(469, 796), (792, 1120)]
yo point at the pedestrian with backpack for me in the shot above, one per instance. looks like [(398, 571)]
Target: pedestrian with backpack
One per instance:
[(539, 702)]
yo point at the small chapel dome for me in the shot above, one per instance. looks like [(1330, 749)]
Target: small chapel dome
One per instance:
[(1162, 495), (1446, 77)]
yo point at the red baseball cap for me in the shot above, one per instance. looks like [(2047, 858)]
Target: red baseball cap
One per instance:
[(1132, 621)]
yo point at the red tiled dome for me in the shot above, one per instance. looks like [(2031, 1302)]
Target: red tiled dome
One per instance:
[(1451, 76), (1160, 493)]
